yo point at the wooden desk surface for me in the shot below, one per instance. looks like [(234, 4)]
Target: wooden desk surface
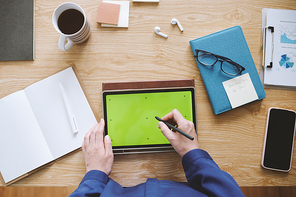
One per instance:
[(234, 139)]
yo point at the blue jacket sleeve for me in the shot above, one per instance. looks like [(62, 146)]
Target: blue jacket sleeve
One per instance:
[(204, 174), (92, 185)]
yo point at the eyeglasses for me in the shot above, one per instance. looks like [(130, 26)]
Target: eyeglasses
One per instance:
[(227, 65)]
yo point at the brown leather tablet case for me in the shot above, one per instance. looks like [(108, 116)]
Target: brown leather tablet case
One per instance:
[(148, 84)]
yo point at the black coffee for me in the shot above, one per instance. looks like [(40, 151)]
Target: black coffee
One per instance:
[(70, 21)]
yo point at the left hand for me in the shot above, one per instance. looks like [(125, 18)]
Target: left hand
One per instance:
[(97, 150)]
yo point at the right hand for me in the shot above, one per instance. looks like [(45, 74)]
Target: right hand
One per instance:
[(181, 144)]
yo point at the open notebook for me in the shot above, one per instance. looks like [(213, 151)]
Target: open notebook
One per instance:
[(35, 128)]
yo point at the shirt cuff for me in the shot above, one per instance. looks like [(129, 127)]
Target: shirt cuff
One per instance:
[(96, 175), (194, 155)]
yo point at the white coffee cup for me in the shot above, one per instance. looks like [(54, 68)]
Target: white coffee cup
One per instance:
[(70, 36)]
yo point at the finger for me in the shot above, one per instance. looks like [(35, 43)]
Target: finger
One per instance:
[(88, 133), (87, 136), (108, 145), (83, 146), (174, 115), (165, 131), (92, 135), (100, 132), (172, 122), (191, 128)]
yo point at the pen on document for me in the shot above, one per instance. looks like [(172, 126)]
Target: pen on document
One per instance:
[(175, 128), (68, 109)]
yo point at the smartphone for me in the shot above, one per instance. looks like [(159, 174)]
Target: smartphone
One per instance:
[(279, 139)]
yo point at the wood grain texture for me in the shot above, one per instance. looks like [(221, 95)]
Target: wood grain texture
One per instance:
[(234, 139), (66, 191)]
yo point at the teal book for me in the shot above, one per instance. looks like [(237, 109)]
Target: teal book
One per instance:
[(230, 43)]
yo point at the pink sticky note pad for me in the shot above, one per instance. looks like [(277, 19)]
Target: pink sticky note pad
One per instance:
[(108, 13)]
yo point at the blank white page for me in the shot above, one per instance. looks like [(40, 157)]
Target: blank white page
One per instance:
[(22, 144), (47, 103)]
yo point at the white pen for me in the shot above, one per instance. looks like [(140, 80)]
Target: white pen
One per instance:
[(68, 109)]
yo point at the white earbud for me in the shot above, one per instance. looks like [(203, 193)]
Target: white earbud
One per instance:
[(157, 31), (175, 21)]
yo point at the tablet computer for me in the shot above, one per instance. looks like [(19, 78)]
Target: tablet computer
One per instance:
[(130, 115)]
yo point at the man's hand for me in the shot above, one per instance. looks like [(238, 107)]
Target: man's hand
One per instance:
[(97, 150), (180, 143)]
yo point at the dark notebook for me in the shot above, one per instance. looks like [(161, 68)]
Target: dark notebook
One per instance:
[(16, 30)]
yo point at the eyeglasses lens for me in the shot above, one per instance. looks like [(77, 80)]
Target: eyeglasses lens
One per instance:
[(206, 58), (230, 68)]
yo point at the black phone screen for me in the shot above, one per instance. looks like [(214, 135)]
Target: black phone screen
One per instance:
[(279, 139)]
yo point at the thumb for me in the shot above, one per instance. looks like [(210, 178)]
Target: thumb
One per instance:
[(165, 130), (108, 144)]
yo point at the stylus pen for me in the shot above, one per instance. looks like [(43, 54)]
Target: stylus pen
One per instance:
[(174, 128), (68, 109)]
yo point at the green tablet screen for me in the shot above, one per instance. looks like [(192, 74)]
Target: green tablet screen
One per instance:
[(130, 115)]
